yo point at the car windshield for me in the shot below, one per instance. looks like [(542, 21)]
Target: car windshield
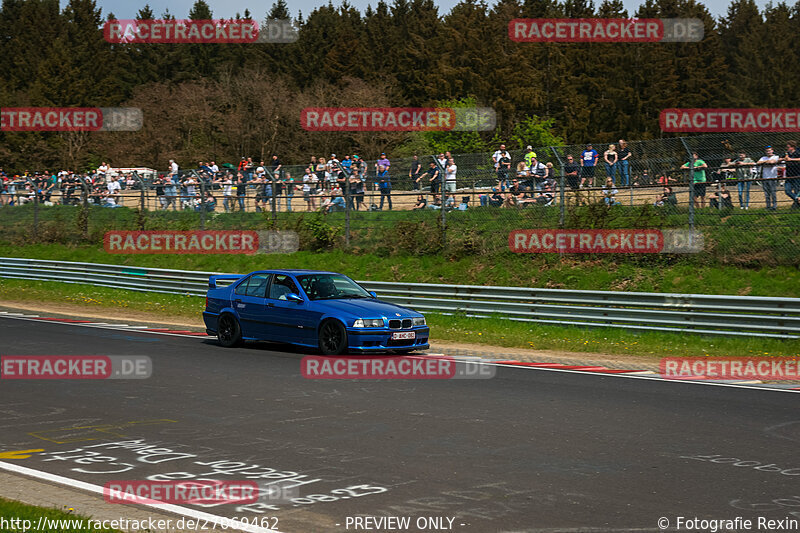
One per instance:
[(330, 287)]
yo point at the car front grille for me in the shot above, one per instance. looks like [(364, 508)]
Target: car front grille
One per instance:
[(397, 324)]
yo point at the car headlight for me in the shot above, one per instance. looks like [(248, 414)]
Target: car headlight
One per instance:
[(419, 321), (368, 323)]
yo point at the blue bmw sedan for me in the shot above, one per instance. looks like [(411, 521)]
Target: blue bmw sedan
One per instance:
[(323, 310)]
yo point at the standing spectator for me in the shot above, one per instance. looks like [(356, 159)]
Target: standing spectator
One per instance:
[(385, 186), (699, 179), (227, 192), (275, 164), (624, 156), (498, 158), (249, 168), (346, 163), (433, 177), (769, 175), (442, 159), (241, 189), (213, 168), (743, 173), (261, 189), (170, 187), (288, 182), (114, 188), (308, 193), (450, 176), (588, 161), (360, 193), (415, 173), (571, 172), (322, 168), (353, 183), (191, 192), (792, 184), (611, 157), (103, 169)]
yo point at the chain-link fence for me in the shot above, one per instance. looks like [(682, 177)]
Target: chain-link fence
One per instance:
[(737, 189)]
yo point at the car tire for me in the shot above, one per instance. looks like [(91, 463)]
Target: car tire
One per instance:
[(229, 333), (332, 338)]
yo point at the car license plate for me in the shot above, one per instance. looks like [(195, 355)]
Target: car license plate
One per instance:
[(400, 335)]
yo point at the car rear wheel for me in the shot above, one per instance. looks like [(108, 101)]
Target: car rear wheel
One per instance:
[(332, 338), (229, 334)]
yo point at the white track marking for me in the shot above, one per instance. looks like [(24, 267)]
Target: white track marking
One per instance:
[(177, 509)]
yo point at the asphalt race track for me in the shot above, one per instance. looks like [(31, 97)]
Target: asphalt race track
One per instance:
[(529, 450)]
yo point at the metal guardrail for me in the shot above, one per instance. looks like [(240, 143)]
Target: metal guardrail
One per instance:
[(751, 316)]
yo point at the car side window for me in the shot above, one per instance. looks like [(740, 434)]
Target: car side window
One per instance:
[(241, 289), (257, 287), (281, 286)]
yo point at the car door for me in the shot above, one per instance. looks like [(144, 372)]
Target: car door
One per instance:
[(292, 320), (250, 303)]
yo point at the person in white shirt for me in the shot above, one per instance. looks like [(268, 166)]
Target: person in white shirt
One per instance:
[(769, 173), (227, 191), (442, 161), (103, 168), (214, 168), (114, 188), (309, 180), (450, 176)]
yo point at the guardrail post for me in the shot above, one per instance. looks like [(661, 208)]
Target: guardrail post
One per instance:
[(346, 194), (35, 230), (140, 222), (442, 193)]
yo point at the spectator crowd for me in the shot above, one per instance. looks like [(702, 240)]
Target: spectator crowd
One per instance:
[(332, 184)]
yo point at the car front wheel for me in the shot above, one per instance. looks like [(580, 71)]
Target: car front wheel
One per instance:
[(229, 334), (332, 338)]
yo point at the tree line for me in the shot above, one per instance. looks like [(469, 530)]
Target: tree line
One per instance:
[(224, 101)]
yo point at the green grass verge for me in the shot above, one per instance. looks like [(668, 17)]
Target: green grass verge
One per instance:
[(491, 332), (57, 521), (501, 270)]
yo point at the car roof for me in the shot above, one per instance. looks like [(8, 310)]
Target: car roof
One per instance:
[(294, 272)]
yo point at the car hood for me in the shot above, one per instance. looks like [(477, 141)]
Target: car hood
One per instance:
[(364, 308)]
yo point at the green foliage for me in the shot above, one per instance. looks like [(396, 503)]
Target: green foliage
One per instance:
[(535, 131)]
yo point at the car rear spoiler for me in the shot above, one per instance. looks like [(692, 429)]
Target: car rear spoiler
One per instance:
[(212, 280)]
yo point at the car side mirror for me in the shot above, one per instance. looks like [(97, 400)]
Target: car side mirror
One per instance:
[(294, 298), (373, 294)]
